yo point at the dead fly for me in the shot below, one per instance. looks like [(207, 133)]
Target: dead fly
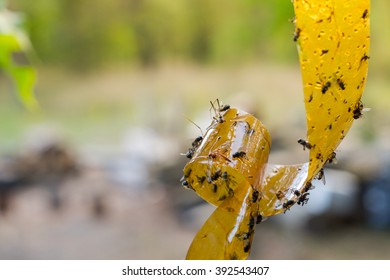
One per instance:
[(332, 158), (297, 34), (364, 58), (321, 176), (248, 130), (341, 84), (214, 154), (325, 87), (303, 199), (190, 153), (244, 236), (212, 178), (287, 205), (365, 14), (196, 143), (279, 194), (218, 107), (305, 144), (239, 155), (217, 174), (357, 112), (308, 187), (259, 219), (255, 196), (251, 224), (185, 183), (224, 108), (247, 246)]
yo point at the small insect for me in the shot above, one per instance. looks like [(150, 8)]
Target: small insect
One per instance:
[(239, 155), (218, 107), (297, 34), (216, 175), (255, 196), (247, 247), (201, 179), (325, 87), (216, 154), (279, 194), (332, 158), (297, 193), (308, 186), (288, 204), (251, 224), (185, 183), (250, 131), (225, 176), (341, 84), (190, 153), (324, 52), (357, 112), (198, 140), (305, 144), (244, 236), (224, 108), (321, 175), (259, 219), (364, 58), (303, 199), (365, 14), (195, 144)]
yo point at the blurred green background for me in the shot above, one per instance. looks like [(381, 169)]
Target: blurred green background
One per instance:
[(77, 40), (85, 35), (114, 74)]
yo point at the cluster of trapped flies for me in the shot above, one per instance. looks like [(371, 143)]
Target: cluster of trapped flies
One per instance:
[(228, 164)]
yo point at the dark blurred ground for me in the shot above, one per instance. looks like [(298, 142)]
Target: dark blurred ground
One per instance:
[(125, 130)]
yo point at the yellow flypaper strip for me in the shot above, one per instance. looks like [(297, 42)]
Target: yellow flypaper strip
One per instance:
[(227, 170), (333, 39), (228, 166)]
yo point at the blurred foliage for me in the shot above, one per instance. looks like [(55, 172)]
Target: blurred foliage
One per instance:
[(13, 61), (84, 34)]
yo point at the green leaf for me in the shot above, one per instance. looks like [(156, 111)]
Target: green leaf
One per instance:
[(14, 43)]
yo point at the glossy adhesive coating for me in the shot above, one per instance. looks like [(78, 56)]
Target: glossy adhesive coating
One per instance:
[(227, 170)]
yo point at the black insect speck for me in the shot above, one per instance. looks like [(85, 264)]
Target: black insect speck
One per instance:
[(341, 84), (305, 144), (365, 14), (297, 34), (324, 52), (325, 87), (239, 154)]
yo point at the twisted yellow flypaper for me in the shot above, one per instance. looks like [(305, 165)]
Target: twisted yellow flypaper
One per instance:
[(228, 166)]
